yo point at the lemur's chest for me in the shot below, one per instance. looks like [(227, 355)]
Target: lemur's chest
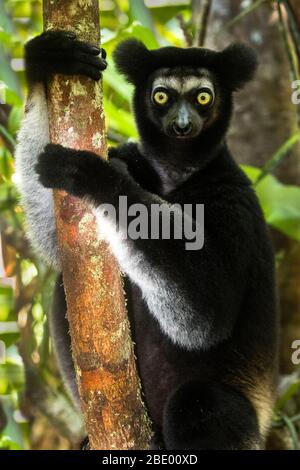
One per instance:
[(171, 178)]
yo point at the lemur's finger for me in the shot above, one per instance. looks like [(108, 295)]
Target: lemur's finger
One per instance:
[(86, 47), (58, 34), (50, 40), (82, 68), (97, 62)]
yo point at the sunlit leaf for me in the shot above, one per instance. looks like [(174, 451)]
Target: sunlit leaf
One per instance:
[(14, 119), (139, 12), (12, 374), (6, 443), (120, 120), (6, 302), (115, 81), (280, 202), (28, 271)]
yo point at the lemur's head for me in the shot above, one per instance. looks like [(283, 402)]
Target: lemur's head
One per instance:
[(184, 94)]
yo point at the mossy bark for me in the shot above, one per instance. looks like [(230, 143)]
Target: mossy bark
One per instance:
[(109, 387)]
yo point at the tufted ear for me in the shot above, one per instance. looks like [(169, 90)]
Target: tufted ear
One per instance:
[(132, 59), (237, 65)]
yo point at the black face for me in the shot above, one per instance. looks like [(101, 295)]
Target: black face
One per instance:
[(182, 103)]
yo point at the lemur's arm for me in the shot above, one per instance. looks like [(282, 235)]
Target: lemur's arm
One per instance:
[(52, 52), (178, 285)]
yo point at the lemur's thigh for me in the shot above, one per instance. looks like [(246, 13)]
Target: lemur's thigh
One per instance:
[(59, 329), (209, 416)]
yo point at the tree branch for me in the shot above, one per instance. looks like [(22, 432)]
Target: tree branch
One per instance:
[(200, 13)]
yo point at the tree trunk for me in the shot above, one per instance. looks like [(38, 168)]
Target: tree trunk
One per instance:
[(109, 387), (200, 15), (294, 4)]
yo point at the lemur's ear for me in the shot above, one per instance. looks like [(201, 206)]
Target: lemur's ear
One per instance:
[(132, 59), (237, 65)]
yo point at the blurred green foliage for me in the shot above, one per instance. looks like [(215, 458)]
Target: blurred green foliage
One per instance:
[(19, 21)]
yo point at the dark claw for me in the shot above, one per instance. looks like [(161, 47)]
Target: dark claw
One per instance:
[(71, 34)]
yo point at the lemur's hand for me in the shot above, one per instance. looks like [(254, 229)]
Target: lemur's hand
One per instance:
[(78, 172), (59, 52)]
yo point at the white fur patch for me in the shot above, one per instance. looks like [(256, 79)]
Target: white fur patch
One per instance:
[(36, 200), (185, 85), (163, 296)]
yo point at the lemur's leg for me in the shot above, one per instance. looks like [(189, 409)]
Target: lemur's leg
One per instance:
[(37, 200), (59, 329), (210, 416)]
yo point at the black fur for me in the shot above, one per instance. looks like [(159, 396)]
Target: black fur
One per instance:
[(199, 398), (234, 66), (199, 410), (60, 52)]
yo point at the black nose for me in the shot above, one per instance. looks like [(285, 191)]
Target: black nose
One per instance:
[(182, 130)]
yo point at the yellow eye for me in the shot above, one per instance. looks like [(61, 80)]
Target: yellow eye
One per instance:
[(160, 97), (204, 98)]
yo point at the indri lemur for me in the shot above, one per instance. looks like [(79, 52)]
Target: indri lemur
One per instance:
[(205, 321)]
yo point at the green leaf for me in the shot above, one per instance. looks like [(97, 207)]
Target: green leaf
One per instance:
[(7, 75), (163, 14), (280, 202), (115, 81), (139, 12), (28, 271), (9, 338), (11, 436), (8, 95), (291, 391), (134, 30), (7, 135), (5, 38), (120, 120), (6, 302), (12, 374), (14, 120), (13, 98), (6, 443), (5, 20)]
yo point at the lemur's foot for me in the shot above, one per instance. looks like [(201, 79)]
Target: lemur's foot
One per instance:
[(59, 52)]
